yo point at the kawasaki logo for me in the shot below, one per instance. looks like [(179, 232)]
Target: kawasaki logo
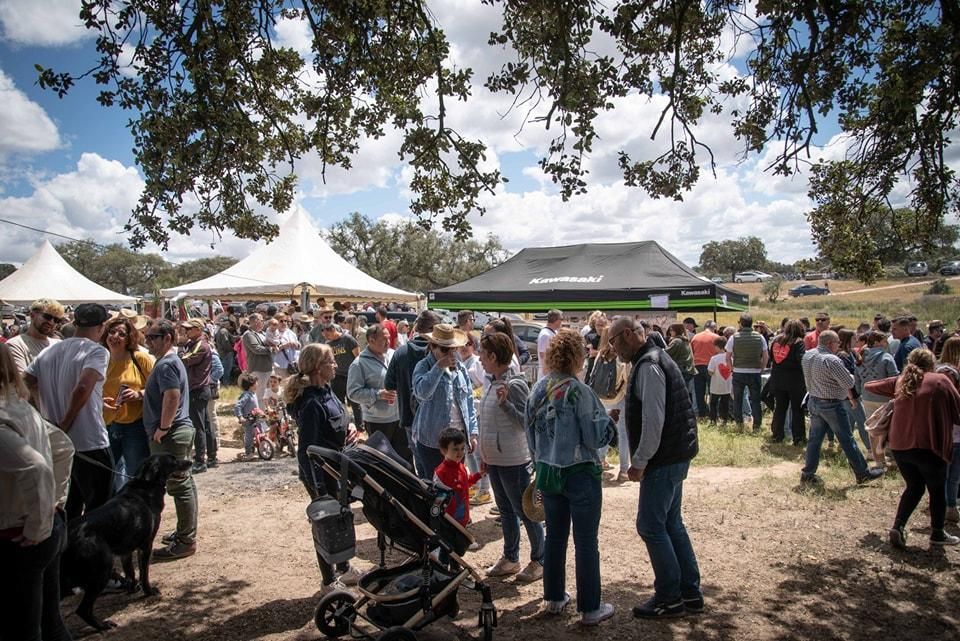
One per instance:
[(695, 292), (566, 279)]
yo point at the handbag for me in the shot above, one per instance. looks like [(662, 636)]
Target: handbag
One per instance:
[(292, 368), (603, 380), (878, 428)]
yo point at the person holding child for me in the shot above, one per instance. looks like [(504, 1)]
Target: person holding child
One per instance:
[(786, 382), (323, 421), (566, 425)]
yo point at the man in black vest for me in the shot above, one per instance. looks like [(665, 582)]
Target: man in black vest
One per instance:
[(662, 430)]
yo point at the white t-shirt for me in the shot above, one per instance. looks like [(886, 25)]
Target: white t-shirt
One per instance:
[(720, 384), (24, 348), (543, 340), (57, 370)]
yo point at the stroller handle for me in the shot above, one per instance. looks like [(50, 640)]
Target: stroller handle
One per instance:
[(335, 459)]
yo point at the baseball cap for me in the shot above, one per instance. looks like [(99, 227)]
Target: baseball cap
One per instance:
[(690, 319), (90, 315)]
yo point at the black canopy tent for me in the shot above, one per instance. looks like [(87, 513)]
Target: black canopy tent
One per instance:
[(639, 276)]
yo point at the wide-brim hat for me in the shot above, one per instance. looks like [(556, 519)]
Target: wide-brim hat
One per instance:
[(446, 335), (139, 321), (533, 503)]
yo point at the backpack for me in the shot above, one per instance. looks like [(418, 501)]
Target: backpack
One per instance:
[(603, 379)]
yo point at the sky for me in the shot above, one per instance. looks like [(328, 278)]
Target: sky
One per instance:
[(66, 165)]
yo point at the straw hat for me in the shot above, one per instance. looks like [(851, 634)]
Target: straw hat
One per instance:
[(533, 503), (447, 336), (139, 321)]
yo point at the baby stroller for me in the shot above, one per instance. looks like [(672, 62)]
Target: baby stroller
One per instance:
[(410, 515)]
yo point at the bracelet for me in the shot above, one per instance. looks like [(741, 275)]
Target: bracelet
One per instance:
[(164, 429)]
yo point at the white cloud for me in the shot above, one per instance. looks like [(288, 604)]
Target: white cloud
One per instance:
[(46, 23), (25, 126)]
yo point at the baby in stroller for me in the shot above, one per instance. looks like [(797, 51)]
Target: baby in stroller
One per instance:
[(409, 514)]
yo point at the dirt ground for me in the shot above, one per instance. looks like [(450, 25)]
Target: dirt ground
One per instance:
[(777, 563)]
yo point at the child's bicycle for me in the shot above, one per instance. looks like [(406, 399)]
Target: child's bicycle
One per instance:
[(273, 432)]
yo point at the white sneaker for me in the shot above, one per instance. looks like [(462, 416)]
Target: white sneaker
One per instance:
[(503, 567), (556, 607), (604, 612), (350, 577), (473, 547), (533, 572), (334, 586), (115, 586)]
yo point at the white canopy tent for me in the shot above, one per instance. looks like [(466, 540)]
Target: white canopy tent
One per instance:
[(48, 275), (297, 259)]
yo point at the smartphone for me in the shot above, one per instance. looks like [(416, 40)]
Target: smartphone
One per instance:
[(123, 388)]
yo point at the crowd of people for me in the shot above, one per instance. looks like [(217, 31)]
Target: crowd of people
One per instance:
[(455, 403)]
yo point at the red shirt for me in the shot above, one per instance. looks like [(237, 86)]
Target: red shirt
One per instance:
[(810, 340), (454, 475), (702, 346), (391, 328)]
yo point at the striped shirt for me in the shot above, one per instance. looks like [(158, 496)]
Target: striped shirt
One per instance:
[(825, 374)]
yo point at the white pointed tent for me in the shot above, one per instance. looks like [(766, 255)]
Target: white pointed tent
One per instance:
[(48, 275), (298, 258)]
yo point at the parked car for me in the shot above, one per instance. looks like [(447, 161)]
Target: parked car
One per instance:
[(528, 333), (751, 276), (717, 279), (950, 268), (807, 289), (410, 317), (917, 268)]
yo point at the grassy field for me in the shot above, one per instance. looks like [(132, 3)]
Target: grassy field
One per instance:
[(850, 309)]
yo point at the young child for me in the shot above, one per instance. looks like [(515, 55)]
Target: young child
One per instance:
[(721, 382), (247, 410), (452, 473), (272, 399)]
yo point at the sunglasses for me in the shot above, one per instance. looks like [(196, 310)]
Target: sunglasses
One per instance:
[(617, 335), (152, 337), (443, 350), (51, 318)]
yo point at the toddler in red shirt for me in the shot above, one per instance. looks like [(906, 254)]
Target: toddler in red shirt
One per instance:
[(452, 473)]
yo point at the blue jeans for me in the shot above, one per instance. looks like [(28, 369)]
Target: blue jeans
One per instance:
[(660, 525), (472, 463), (953, 477), (701, 385), (831, 415), (427, 459), (580, 501), (130, 445), (858, 419), (508, 483), (751, 383), (692, 391), (228, 361)]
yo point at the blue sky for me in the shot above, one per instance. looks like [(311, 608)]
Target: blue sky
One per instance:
[(66, 164)]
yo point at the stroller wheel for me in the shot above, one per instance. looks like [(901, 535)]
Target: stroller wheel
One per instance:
[(335, 614), (265, 449), (397, 633)]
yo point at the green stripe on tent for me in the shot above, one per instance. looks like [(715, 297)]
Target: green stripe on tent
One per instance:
[(500, 306)]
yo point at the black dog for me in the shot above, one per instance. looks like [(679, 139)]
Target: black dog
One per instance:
[(127, 522)]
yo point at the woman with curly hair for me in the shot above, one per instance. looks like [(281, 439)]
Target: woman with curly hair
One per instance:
[(566, 424), (926, 407), (123, 387)]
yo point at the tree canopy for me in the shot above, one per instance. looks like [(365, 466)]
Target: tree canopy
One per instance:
[(408, 256), (732, 256), (129, 272), (220, 113)]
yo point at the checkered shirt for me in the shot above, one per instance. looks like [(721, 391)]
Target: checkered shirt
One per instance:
[(825, 374)]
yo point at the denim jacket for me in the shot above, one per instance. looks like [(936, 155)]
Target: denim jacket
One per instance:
[(436, 391), (566, 423)]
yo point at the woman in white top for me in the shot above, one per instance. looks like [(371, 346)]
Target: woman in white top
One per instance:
[(35, 460)]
